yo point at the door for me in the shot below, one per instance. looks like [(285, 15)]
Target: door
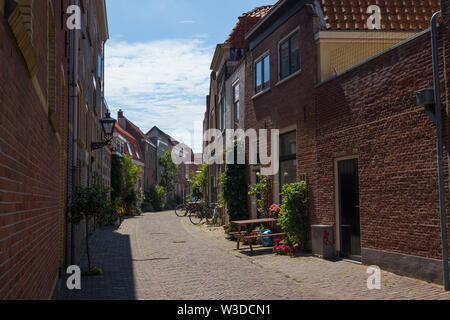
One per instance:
[(350, 230)]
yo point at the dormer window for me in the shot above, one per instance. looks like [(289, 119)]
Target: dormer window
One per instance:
[(137, 153)]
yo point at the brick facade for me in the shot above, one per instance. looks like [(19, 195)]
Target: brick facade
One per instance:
[(148, 150), (287, 105), (368, 112), (33, 126)]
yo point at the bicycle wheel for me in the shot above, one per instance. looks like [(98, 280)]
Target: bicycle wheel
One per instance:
[(181, 211), (196, 217), (209, 215)]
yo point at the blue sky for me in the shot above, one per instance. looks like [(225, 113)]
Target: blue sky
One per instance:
[(158, 57)]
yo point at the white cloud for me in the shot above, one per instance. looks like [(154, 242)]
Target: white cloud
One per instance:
[(186, 21), (162, 83)]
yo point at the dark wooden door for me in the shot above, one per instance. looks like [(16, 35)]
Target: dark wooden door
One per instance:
[(350, 228)]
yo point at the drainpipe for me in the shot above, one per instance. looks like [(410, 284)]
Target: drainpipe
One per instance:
[(437, 96), (74, 107)]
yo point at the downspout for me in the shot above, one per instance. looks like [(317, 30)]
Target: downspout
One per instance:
[(440, 149), (74, 107)]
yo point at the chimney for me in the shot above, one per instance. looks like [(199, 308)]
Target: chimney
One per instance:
[(120, 114)]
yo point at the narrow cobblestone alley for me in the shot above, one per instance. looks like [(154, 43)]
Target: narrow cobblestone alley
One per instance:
[(159, 256)]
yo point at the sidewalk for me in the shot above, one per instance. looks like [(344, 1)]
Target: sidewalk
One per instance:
[(159, 256), (340, 280)]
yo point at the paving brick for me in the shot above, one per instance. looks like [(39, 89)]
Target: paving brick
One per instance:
[(159, 257)]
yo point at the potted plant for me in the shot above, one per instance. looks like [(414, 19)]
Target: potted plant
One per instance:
[(86, 203), (274, 211), (282, 248)]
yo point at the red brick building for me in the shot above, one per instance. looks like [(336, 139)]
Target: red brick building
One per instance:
[(126, 144), (344, 100), (33, 128), (368, 122), (148, 149)]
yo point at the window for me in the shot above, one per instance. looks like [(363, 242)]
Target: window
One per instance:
[(290, 55), (211, 119), (288, 158), (137, 153), (236, 102), (120, 147), (100, 66), (262, 74), (221, 113), (129, 149)]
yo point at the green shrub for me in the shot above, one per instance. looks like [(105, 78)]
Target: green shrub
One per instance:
[(261, 192), (116, 177), (199, 183), (88, 202), (147, 206), (157, 197), (234, 195), (294, 218), (169, 172)]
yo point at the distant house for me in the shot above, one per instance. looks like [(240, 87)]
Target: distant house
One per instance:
[(126, 144), (148, 149), (164, 143), (226, 100)]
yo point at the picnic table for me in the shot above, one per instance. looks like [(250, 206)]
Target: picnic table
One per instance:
[(245, 228)]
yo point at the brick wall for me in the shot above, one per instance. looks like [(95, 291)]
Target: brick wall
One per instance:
[(31, 165), (371, 112), (289, 104)]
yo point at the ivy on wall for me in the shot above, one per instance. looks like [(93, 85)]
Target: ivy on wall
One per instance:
[(234, 193)]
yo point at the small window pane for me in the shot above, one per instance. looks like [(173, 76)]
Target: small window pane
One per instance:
[(259, 76), (288, 172), (295, 52), (284, 54), (266, 71), (288, 144), (236, 93)]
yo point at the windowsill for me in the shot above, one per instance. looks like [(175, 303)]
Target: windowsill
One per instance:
[(295, 74), (261, 93)]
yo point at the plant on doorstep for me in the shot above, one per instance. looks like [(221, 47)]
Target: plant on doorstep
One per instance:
[(261, 192), (282, 247), (294, 219)]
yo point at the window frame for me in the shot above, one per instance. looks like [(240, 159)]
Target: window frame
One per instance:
[(287, 157), (263, 82), (288, 39), (236, 111)]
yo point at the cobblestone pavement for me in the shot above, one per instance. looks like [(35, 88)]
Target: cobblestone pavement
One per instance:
[(159, 256)]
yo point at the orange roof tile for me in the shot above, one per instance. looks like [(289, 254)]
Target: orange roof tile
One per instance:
[(246, 22), (136, 153), (396, 15)]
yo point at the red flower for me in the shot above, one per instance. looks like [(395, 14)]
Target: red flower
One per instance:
[(277, 240)]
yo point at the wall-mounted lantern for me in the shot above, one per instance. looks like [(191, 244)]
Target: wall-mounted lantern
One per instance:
[(108, 126)]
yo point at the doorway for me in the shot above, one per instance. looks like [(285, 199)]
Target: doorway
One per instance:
[(349, 210)]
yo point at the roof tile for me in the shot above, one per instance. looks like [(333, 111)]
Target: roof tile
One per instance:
[(246, 22), (396, 15)]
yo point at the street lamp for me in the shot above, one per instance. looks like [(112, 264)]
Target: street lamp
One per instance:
[(108, 126)]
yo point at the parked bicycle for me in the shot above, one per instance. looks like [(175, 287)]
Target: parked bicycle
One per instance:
[(210, 213), (181, 210), (216, 219)]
